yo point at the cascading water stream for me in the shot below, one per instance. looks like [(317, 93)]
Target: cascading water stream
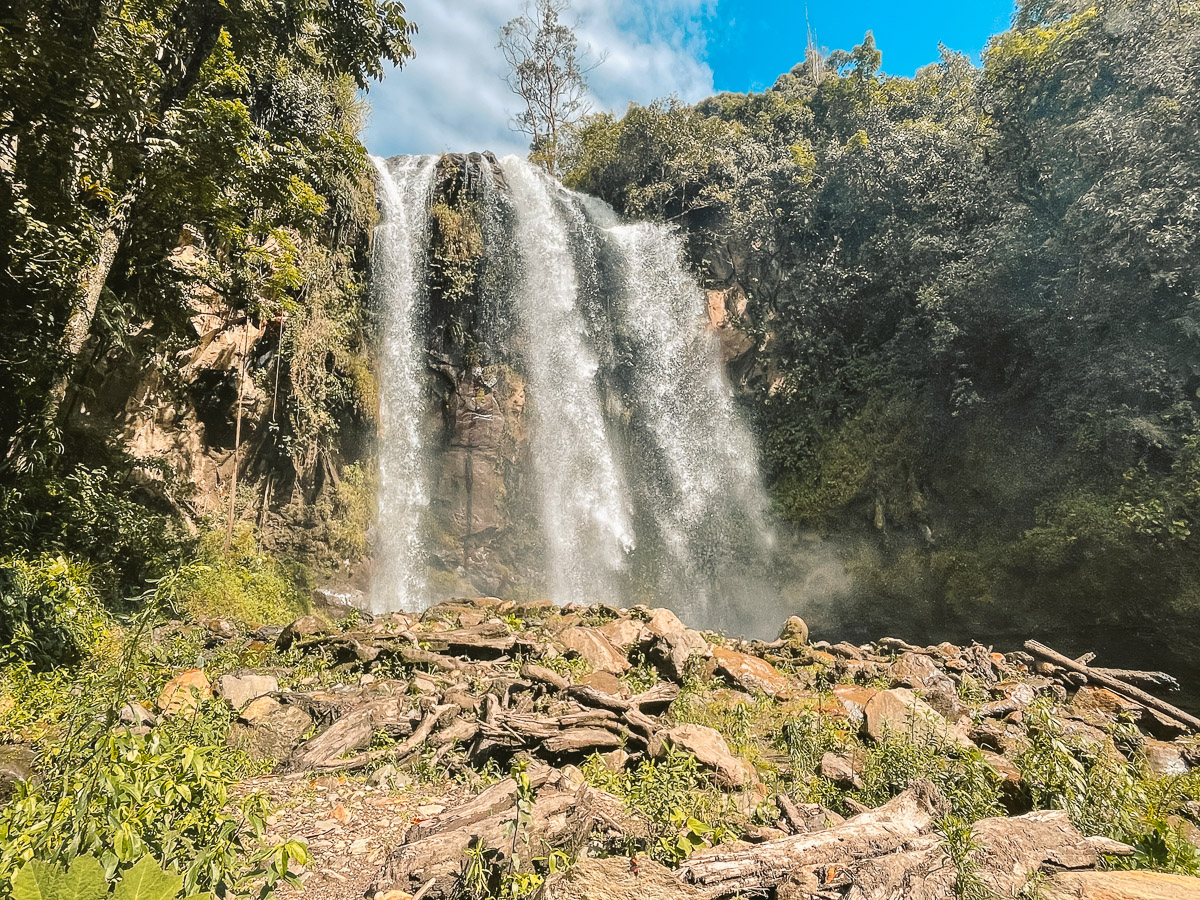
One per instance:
[(642, 479), (397, 270), (585, 506), (696, 462)]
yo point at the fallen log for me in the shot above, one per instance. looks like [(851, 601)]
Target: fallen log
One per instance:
[(755, 869), (353, 731), (560, 817), (1115, 685), (1139, 678)]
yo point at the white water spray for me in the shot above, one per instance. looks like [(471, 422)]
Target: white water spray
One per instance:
[(397, 273)]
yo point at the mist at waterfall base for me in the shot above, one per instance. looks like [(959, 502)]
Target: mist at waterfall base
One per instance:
[(643, 477)]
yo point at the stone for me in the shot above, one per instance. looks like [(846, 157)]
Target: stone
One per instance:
[(1135, 885), (606, 683), (749, 672), (238, 690), (854, 700), (275, 731), (916, 670), (664, 621), (899, 712), (222, 628), (133, 713), (17, 763), (794, 632), (615, 760), (184, 693), (304, 627), (624, 633), (839, 770), (1165, 758), (259, 708), (1105, 703), (594, 647), (710, 750)]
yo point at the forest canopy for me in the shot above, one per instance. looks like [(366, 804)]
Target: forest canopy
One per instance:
[(973, 296)]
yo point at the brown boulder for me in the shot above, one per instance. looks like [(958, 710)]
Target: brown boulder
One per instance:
[(710, 750), (594, 647), (268, 729), (304, 627), (624, 633), (749, 672), (899, 712), (184, 693)]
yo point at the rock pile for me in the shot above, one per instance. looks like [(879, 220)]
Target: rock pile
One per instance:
[(536, 690)]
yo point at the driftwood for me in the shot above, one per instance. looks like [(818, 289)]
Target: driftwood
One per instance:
[(561, 816), (1008, 851), (762, 866), (1115, 685), (1139, 678), (353, 731)]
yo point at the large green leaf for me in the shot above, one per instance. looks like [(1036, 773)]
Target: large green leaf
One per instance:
[(84, 880), (147, 881), (37, 880)]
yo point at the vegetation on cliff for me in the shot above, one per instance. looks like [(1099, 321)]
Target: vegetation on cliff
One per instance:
[(973, 300)]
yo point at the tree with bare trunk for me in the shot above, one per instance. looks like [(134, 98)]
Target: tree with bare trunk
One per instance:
[(546, 72)]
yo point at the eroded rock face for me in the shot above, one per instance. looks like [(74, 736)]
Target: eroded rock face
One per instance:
[(710, 750)]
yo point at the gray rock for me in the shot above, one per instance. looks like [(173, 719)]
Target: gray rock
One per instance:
[(794, 632), (304, 627), (275, 731), (840, 771), (238, 690), (17, 763), (710, 750), (135, 714)]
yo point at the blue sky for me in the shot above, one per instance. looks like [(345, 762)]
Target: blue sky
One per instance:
[(452, 96)]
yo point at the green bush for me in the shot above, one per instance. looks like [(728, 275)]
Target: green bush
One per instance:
[(132, 797), (245, 584), (50, 611)]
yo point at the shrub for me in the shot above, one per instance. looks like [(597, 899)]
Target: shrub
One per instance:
[(50, 611), (244, 584)]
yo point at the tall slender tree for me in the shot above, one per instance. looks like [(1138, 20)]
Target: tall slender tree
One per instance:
[(546, 72)]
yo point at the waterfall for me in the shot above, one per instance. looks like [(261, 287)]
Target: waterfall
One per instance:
[(629, 475), (585, 506), (397, 275)]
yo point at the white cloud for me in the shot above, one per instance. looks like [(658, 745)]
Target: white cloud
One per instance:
[(452, 96)]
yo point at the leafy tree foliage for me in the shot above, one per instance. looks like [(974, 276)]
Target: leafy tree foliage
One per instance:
[(974, 296), (124, 120)]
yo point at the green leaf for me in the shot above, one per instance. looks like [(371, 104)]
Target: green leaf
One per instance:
[(147, 881), (37, 880), (84, 880)]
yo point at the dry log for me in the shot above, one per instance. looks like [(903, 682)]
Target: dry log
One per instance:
[(415, 656), (618, 878), (875, 833), (353, 731), (657, 699), (561, 817), (1115, 685), (1139, 678), (542, 675), (590, 696), (1119, 886)]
